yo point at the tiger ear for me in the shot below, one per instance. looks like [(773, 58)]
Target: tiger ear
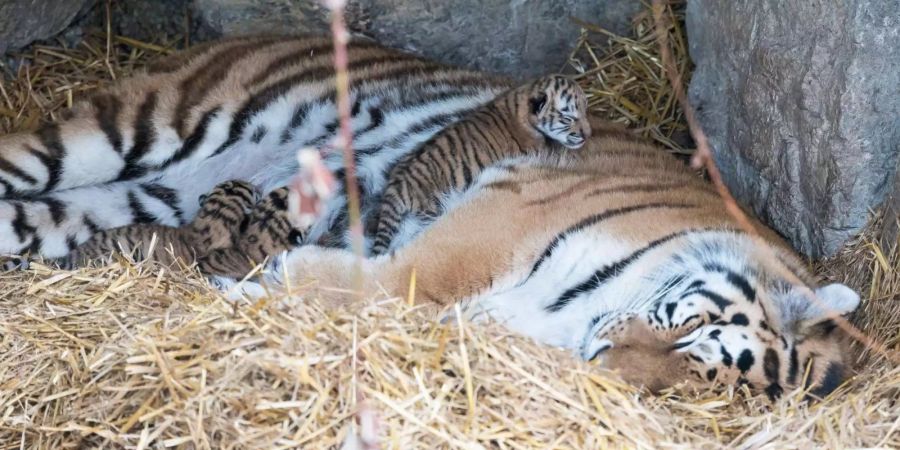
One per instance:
[(537, 102), (831, 300)]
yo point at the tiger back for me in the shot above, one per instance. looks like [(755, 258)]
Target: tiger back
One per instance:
[(517, 123)]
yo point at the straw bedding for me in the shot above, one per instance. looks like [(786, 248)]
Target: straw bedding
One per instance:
[(130, 355)]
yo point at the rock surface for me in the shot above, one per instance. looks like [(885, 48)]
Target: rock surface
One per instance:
[(515, 37), (801, 102), (25, 21), (520, 38)]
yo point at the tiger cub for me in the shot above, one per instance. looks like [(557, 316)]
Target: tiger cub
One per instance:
[(516, 123), (268, 231), (229, 236), (223, 213)]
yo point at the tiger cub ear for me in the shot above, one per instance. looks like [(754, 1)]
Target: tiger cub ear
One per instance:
[(538, 102)]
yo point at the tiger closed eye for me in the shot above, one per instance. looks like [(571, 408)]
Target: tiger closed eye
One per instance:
[(566, 120)]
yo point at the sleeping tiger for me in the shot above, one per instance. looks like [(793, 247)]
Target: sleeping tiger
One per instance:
[(223, 214), (516, 123), (580, 244), (267, 231), (232, 233), (621, 254)]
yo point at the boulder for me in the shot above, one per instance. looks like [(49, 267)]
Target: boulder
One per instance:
[(25, 21), (514, 37), (801, 104), (153, 20)]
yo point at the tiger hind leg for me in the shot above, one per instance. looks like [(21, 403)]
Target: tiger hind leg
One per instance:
[(53, 225)]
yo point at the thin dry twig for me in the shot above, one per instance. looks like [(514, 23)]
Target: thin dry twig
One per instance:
[(342, 82)]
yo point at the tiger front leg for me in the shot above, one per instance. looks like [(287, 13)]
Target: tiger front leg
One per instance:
[(617, 329), (328, 274)]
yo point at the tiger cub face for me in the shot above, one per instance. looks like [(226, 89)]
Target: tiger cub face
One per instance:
[(558, 110)]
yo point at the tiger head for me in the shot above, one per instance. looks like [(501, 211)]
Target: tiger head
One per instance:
[(557, 109), (726, 317)]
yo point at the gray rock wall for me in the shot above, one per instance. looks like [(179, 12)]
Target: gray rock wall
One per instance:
[(521, 38), (25, 21), (801, 102)]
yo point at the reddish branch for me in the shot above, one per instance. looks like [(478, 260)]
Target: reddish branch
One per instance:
[(345, 134), (703, 158)]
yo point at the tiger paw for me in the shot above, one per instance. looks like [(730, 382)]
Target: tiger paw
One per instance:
[(595, 348), (605, 329), (15, 263), (235, 290)]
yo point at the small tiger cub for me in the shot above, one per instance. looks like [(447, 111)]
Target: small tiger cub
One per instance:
[(269, 231), (516, 123), (218, 224)]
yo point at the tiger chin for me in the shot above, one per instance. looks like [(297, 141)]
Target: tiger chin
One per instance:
[(621, 254)]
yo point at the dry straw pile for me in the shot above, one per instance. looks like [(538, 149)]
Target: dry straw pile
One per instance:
[(129, 355)]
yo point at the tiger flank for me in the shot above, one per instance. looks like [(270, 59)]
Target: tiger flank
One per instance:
[(144, 149), (220, 222), (515, 124), (621, 254)]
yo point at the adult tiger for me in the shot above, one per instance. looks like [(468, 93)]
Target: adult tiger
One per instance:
[(144, 150), (616, 251)]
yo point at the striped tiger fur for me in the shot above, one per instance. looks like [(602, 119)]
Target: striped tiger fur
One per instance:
[(218, 225), (229, 237), (268, 231), (515, 124), (144, 149), (622, 254)]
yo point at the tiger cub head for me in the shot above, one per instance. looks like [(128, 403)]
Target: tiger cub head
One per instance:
[(726, 319), (557, 109), (223, 213)]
